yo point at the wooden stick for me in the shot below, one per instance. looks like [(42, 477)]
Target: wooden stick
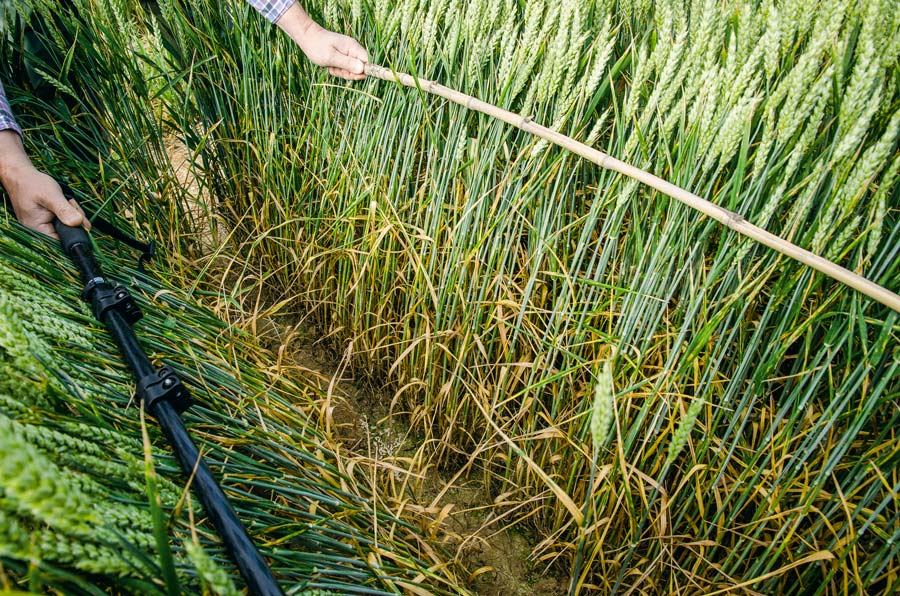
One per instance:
[(730, 219)]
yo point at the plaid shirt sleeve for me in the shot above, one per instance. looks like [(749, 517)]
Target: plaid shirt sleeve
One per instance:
[(7, 122), (271, 9)]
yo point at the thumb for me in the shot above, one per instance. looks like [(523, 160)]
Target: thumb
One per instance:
[(67, 213), (351, 55), (352, 48), (348, 63)]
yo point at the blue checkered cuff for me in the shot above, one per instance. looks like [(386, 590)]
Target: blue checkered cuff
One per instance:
[(7, 122), (271, 9)]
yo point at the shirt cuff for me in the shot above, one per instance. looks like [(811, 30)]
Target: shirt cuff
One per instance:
[(11, 126), (7, 122), (272, 10)]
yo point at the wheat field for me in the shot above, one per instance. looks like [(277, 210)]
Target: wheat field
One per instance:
[(659, 405)]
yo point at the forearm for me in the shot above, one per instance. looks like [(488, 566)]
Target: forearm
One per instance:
[(343, 56), (13, 159), (297, 24), (36, 198), (12, 152)]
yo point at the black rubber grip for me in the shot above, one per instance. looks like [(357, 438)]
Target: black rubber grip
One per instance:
[(69, 236)]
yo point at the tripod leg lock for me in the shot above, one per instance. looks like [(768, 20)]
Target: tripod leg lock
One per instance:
[(163, 384), (105, 295)]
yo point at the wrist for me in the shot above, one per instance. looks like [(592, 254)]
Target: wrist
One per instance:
[(14, 161), (298, 24)]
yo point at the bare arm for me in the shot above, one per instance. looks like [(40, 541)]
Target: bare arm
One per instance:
[(343, 56), (36, 197)]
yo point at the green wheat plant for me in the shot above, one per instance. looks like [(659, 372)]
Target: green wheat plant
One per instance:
[(485, 273), (484, 277), (72, 481)]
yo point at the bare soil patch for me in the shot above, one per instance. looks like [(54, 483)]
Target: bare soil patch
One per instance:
[(459, 512), (456, 512)]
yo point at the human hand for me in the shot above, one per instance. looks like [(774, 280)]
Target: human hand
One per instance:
[(343, 56), (37, 200)]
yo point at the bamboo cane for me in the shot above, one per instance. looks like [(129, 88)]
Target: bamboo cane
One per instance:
[(728, 218)]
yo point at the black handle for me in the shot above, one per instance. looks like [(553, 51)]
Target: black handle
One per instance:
[(70, 236), (147, 249)]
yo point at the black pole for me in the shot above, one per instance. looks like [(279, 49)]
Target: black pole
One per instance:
[(164, 396)]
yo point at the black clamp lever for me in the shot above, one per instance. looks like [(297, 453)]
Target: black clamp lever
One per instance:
[(163, 384), (104, 294)]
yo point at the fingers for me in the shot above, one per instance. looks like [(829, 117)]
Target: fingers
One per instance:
[(38, 200), (85, 222), (343, 56), (352, 48), (45, 228), (348, 61), (345, 74), (67, 211), (49, 209)]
